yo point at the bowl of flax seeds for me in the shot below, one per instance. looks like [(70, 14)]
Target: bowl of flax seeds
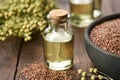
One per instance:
[(102, 44)]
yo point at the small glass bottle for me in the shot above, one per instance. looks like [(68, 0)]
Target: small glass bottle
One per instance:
[(58, 41), (81, 12), (97, 8)]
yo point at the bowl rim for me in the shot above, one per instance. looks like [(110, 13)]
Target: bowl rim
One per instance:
[(97, 22)]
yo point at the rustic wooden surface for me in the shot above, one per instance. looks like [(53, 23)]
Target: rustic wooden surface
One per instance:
[(14, 52)]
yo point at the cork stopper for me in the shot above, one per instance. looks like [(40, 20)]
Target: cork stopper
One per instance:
[(58, 14)]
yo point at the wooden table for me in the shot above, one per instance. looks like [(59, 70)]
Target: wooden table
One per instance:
[(14, 52)]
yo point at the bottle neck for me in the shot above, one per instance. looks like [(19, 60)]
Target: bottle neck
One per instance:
[(57, 28), (56, 24)]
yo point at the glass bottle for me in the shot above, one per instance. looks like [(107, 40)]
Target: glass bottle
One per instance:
[(97, 8), (58, 41), (81, 12)]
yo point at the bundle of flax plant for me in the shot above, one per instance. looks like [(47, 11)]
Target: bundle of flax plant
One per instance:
[(22, 18)]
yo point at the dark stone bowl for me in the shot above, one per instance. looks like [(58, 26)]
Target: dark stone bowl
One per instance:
[(108, 63)]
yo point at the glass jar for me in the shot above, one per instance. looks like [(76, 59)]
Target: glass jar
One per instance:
[(81, 12), (58, 41)]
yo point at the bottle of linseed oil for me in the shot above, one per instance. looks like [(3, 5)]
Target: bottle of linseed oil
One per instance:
[(58, 41)]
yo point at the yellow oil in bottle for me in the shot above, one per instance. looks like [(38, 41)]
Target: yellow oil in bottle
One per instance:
[(58, 52), (58, 41), (82, 12)]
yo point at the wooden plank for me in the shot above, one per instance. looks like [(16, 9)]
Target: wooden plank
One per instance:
[(106, 8), (115, 6), (81, 59), (32, 51), (9, 51), (110, 7), (63, 4)]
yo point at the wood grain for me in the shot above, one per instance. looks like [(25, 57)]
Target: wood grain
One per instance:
[(32, 51), (9, 51), (81, 59), (110, 7)]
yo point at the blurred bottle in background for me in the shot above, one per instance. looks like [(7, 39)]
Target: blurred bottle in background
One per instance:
[(81, 12), (97, 8)]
